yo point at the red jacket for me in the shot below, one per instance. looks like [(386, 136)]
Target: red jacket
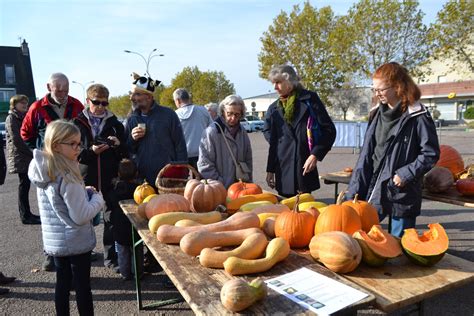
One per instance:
[(40, 114)]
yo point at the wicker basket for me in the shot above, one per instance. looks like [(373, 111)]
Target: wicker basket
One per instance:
[(175, 185)]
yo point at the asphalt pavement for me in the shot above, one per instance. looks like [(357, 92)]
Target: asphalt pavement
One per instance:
[(33, 293)]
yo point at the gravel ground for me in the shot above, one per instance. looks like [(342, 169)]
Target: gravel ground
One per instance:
[(33, 293)]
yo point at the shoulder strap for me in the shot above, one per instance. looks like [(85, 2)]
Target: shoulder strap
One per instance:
[(51, 113), (227, 144)]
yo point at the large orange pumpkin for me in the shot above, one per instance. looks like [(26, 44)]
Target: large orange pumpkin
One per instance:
[(205, 195), (338, 251), (296, 227), (142, 191), (338, 217), (165, 203), (241, 188), (451, 159), (367, 212)]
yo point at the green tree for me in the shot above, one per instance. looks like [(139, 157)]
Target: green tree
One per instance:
[(204, 87), (453, 33), (120, 105), (385, 31), (304, 40)]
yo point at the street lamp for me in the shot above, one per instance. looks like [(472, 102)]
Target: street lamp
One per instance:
[(83, 88), (147, 61)]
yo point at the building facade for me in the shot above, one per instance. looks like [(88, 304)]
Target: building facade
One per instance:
[(16, 75)]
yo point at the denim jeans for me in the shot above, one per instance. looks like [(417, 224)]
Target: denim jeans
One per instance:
[(399, 224), (73, 271)]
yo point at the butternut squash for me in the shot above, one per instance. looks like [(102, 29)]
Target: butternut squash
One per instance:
[(274, 208), (187, 223), (192, 243), (234, 205), (172, 217), (252, 247), (169, 234), (290, 202), (269, 227), (277, 250)]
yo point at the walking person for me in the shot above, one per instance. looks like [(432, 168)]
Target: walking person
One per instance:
[(56, 104), (19, 156), (292, 155), (103, 146), (400, 146), (67, 208), (194, 120)]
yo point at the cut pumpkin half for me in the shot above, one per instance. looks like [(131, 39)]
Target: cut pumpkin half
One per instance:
[(426, 249)]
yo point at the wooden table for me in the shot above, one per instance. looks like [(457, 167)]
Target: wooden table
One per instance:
[(201, 286), (452, 196), (397, 284)]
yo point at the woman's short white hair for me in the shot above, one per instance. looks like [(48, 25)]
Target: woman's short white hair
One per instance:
[(285, 73), (232, 99), (212, 107)]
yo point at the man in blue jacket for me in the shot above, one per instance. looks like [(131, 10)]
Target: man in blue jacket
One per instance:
[(154, 134)]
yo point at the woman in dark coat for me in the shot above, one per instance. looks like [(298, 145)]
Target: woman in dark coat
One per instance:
[(400, 146), (293, 156), (19, 156), (103, 146)]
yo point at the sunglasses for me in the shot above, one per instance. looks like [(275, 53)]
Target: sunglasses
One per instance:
[(97, 102)]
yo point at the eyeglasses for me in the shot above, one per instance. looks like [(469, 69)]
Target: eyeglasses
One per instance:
[(97, 102), (73, 145), (236, 115), (375, 91)]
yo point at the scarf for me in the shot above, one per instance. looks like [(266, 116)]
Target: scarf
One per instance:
[(96, 121), (287, 104)]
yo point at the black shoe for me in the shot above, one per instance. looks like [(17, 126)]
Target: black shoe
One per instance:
[(48, 264), (31, 221), (4, 291), (5, 280), (94, 256)]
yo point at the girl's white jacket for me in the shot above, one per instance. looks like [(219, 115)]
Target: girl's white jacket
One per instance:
[(66, 211)]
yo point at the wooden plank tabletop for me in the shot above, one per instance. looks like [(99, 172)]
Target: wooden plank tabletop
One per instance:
[(201, 286), (452, 196)]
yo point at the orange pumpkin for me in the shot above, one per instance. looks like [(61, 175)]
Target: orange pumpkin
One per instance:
[(296, 227), (205, 195), (338, 217), (465, 186), (367, 212), (451, 159), (165, 203), (142, 191), (241, 188)]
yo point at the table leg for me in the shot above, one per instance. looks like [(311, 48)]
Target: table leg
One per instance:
[(336, 191), (136, 256)]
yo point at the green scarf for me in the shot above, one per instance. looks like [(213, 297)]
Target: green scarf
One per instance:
[(288, 106)]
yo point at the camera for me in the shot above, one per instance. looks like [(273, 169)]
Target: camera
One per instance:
[(101, 141)]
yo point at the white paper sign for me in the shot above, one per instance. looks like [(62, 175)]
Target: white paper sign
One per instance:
[(315, 291)]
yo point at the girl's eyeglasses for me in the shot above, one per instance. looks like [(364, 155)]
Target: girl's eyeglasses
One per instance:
[(73, 145)]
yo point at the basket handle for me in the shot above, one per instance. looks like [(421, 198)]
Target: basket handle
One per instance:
[(179, 164)]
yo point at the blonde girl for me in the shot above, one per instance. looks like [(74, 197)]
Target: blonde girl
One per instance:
[(66, 208)]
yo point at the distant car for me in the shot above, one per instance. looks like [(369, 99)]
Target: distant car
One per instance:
[(3, 132), (255, 123), (246, 125)]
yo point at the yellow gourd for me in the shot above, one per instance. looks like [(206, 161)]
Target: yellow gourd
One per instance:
[(277, 250), (290, 202), (247, 207), (252, 247), (237, 295), (263, 217), (187, 223)]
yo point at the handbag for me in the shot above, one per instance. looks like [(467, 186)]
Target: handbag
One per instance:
[(313, 130), (242, 170)]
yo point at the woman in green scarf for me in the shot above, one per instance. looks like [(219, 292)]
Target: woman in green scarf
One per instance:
[(299, 131)]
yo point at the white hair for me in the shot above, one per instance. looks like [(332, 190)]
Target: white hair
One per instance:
[(232, 99), (286, 73), (57, 76)]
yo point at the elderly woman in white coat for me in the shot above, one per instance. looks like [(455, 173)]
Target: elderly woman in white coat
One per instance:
[(223, 141)]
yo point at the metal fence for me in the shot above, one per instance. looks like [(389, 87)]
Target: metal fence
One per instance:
[(350, 134)]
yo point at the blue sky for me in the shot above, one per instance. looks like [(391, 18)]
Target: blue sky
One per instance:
[(85, 39)]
